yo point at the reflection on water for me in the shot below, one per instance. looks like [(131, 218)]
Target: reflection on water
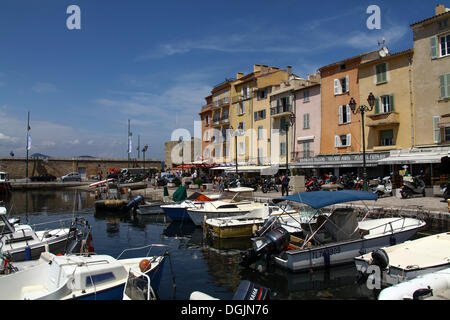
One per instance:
[(210, 266)]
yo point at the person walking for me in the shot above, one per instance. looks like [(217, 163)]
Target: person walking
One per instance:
[(285, 185)]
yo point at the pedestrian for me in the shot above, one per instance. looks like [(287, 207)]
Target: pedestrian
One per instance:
[(285, 185)]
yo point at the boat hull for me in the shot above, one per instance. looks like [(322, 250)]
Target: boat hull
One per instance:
[(177, 213), (149, 209), (236, 231), (338, 253), (198, 217)]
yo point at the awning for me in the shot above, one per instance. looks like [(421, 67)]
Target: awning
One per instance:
[(259, 169), (413, 158), (305, 138)]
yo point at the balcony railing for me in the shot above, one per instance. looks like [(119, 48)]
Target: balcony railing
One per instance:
[(240, 98), (221, 102), (280, 110), (302, 155)]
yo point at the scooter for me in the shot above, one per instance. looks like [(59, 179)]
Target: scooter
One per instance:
[(384, 187), (409, 189), (268, 186)]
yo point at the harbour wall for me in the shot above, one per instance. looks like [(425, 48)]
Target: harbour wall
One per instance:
[(16, 167)]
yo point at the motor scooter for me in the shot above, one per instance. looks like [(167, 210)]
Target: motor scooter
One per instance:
[(416, 187), (384, 187)]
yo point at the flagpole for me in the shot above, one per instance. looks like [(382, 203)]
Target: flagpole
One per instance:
[(28, 134)]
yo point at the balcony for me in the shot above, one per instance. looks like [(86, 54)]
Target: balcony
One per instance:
[(383, 119), (300, 155), (221, 102), (240, 98), (280, 111)]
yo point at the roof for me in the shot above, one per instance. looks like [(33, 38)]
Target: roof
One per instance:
[(404, 52), (436, 17), (320, 199)]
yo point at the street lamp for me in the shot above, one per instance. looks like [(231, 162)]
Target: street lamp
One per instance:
[(363, 109), (180, 141), (289, 123)]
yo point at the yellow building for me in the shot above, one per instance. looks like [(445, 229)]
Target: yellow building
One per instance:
[(390, 125), (250, 114)]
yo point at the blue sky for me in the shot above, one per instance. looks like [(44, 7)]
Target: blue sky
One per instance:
[(153, 62)]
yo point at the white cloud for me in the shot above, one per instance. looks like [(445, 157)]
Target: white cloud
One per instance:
[(43, 87)]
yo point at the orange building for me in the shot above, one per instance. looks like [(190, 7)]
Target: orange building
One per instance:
[(206, 118)]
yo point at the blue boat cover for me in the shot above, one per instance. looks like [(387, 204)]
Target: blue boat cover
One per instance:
[(320, 199)]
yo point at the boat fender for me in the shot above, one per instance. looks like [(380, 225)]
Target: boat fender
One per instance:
[(380, 258), (145, 265), (422, 293)]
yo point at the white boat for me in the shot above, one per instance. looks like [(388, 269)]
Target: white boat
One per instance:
[(236, 206), (83, 277), (408, 260), (21, 242), (150, 208), (101, 183), (244, 226), (431, 286), (178, 211), (333, 239)]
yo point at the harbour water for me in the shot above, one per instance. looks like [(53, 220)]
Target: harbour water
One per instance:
[(197, 264)]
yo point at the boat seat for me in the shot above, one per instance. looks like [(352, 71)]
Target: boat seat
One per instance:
[(33, 292)]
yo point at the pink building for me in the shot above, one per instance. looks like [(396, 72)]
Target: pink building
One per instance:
[(308, 123)]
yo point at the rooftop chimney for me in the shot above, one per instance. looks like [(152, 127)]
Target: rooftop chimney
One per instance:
[(440, 9), (256, 67), (239, 75), (289, 70)]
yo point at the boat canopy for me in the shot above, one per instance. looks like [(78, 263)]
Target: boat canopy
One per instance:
[(320, 199)]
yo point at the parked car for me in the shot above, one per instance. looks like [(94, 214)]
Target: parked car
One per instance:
[(43, 177), (73, 176)]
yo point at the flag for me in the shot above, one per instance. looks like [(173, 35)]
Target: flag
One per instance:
[(29, 139), (129, 143)]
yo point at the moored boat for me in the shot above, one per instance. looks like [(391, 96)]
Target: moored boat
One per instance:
[(408, 260), (178, 211), (83, 277), (332, 239)]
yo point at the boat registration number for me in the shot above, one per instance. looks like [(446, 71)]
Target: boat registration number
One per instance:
[(320, 253)]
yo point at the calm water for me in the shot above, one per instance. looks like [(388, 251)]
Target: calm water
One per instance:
[(198, 264)]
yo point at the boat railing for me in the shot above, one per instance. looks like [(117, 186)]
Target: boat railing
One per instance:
[(150, 246)]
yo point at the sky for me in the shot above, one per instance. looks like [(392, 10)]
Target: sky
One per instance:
[(154, 62)]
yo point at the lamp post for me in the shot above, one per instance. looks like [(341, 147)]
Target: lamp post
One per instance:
[(289, 123), (235, 134), (180, 141), (144, 150), (363, 109)]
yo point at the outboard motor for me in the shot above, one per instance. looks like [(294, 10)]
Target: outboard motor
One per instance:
[(275, 241), (270, 223), (380, 258), (250, 291), (135, 202)]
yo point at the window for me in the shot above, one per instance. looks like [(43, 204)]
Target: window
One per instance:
[(242, 148), (387, 138), (344, 114), (343, 141), (241, 108), (445, 86), (283, 148), (306, 121), (447, 134), (260, 132), (207, 120), (283, 124), (436, 129), (306, 149), (262, 94), (260, 115), (99, 278), (341, 85), (445, 45), (381, 70), (241, 126), (387, 103), (306, 96)]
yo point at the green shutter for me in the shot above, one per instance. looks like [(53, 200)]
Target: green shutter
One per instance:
[(434, 47), (377, 105), (447, 95), (391, 101), (443, 85)]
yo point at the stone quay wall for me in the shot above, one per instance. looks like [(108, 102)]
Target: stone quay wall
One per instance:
[(16, 167)]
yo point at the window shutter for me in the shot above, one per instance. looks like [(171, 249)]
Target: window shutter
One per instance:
[(437, 130), (391, 103), (337, 141), (447, 85), (348, 114), (243, 109), (248, 91), (349, 140), (340, 115), (347, 84), (377, 105), (337, 85), (442, 85), (264, 114), (434, 47), (307, 118)]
